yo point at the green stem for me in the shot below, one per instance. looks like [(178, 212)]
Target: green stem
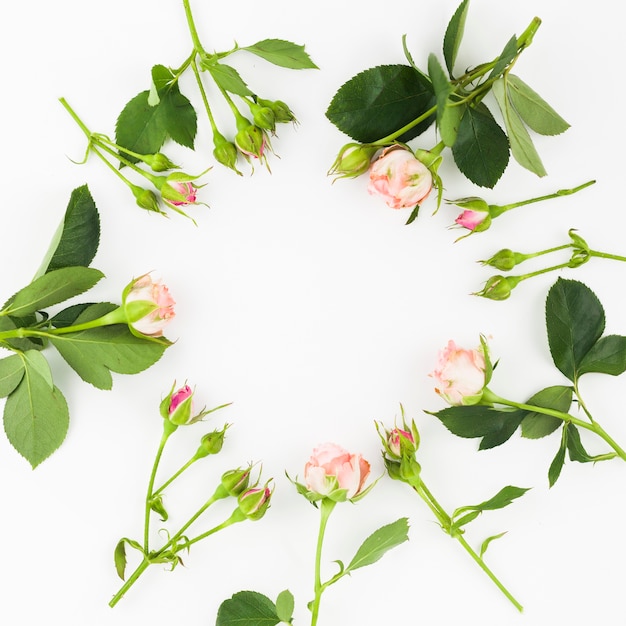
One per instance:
[(205, 100), (495, 210), (129, 582), (446, 523), (192, 29), (174, 476), (326, 508), (552, 268), (75, 117), (491, 398), (235, 517), (168, 429), (606, 255), (489, 573)]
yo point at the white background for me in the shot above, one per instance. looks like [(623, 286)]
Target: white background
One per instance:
[(315, 311)]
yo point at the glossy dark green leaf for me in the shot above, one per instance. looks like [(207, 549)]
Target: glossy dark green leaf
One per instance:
[(575, 447), (481, 150), (76, 239), (11, 374), (607, 356), (382, 100), (68, 316), (379, 543), (575, 322), (51, 288), (522, 147), (282, 53), (149, 119), (454, 35), (94, 353), (247, 608), (537, 425), (534, 110), (36, 417), (494, 426)]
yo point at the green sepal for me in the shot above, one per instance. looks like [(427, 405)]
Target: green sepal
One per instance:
[(282, 53), (156, 505), (485, 544)]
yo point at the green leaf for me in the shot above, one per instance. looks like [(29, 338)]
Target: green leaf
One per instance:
[(285, 605), (485, 544), (522, 147), (96, 352), (52, 288), (507, 55), (247, 608), (36, 416), (76, 239), (448, 115), (282, 53), (379, 543), (68, 316), (495, 426), (228, 78), (454, 35), (11, 373), (143, 127), (556, 466), (576, 449), (575, 322), (381, 100), (537, 425), (481, 150), (503, 498), (607, 356), (19, 343), (536, 112), (119, 556)]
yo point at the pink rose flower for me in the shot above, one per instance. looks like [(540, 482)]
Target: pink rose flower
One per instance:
[(186, 189), (181, 405), (460, 375), (149, 306), (331, 467), (400, 178), (471, 219)]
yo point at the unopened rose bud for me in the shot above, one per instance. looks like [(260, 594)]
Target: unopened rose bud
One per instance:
[(179, 193), (236, 481), (225, 152), (400, 442), (211, 443), (498, 287), (263, 117), (146, 199), (504, 260), (254, 503), (251, 141), (158, 162), (282, 113), (353, 160)]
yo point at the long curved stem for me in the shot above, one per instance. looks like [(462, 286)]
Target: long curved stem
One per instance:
[(326, 508)]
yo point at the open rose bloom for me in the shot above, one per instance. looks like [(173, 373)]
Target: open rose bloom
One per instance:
[(149, 306), (334, 473), (400, 178), (460, 375)]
